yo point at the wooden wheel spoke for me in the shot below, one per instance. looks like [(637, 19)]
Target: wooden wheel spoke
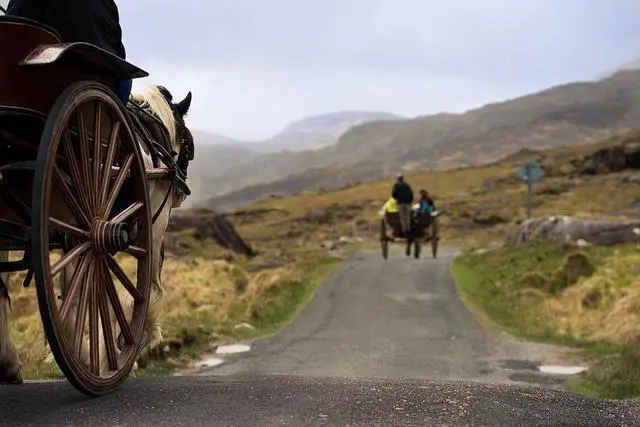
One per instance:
[(76, 176), (114, 143), (97, 151), (81, 314), (133, 208), (72, 203), (105, 319), (68, 257), (77, 280), (68, 227), (122, 277), (111, 292), (117, 186), (86, 160), (136, 251), (94, 327)]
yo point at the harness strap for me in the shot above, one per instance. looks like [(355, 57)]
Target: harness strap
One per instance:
[(164, 202), (160, 153)]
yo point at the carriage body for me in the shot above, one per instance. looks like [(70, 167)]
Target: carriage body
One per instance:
[(72, 178), (424, 228), (36, 67)]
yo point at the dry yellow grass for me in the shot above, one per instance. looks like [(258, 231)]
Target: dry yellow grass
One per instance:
[(605, 306), (199, 295)]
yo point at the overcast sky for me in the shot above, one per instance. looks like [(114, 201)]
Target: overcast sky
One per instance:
[(255, 65)]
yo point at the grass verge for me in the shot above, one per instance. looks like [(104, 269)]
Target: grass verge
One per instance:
[(269, 302), (579, 297), (211, 299)]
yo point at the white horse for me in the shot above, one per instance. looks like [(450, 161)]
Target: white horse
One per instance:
[(157, 101)]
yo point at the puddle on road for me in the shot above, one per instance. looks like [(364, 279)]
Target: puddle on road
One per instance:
[(527, 365), (562, 370), (233, 348)]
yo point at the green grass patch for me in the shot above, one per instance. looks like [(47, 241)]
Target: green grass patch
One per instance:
[(510, 284)]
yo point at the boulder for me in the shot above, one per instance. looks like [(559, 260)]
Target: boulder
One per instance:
[(574, 230), (209, 224)]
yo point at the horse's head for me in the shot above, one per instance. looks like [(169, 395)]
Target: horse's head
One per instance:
[(182, 134), (159, 101)]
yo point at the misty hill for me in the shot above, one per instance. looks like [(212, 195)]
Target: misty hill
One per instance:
[(564, 115), (218, 158), (633, 65), (316, 132)]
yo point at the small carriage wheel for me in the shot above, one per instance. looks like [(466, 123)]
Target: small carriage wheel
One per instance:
[(96, 203), (434, 239), (384, 242)]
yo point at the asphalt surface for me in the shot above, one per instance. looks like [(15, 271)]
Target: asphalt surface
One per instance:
[(381, 343)]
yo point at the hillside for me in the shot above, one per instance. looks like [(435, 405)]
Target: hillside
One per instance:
[(214, 153), (560, 116), (213, 170), (632, 65), (483, 203), (315, 132)]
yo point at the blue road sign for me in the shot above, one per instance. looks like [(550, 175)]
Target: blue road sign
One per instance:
[(531, 172)]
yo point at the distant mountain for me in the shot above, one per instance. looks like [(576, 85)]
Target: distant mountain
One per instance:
[(316, 132), (214, 155), (222, 164), (564, 115)]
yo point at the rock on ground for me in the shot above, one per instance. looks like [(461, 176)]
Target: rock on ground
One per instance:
[(571, 229)]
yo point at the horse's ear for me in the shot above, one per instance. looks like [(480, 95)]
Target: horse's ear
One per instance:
[(183, 106)]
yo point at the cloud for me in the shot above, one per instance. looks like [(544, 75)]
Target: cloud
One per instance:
[(255, 65)]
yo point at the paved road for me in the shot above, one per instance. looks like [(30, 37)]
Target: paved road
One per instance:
[(382, 343)]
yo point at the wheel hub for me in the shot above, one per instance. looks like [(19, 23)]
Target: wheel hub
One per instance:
[(108, 236)]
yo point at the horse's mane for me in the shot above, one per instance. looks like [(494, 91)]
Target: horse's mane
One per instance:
[(152, 101)]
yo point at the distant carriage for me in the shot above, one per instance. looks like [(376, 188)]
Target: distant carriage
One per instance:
[(76, 195), (424, 228)]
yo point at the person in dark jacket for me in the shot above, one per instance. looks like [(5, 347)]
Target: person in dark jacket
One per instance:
[(90, 21), (403, 194)]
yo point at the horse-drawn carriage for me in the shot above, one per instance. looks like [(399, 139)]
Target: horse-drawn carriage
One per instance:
[(85, 192), (424, 228)]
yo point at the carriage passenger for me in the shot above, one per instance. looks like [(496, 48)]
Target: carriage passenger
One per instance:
[(390, 206), (425, 204)]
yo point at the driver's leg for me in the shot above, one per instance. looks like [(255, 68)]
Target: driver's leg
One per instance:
[(123, 89)]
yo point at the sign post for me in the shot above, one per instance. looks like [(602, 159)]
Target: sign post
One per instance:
[(530, 172)]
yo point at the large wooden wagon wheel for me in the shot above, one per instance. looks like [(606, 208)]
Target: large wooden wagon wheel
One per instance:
[(90, 184)]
